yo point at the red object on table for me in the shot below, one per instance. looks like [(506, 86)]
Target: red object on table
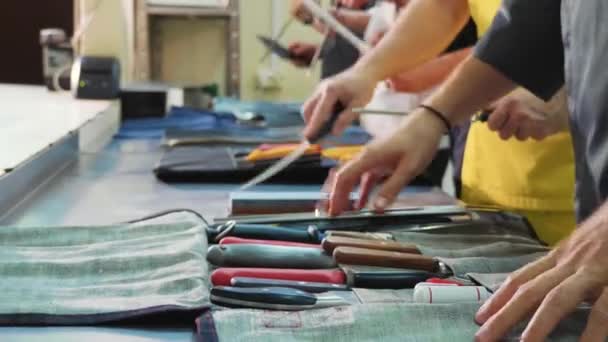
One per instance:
[(232, 240), (443, 281), (223, 276)]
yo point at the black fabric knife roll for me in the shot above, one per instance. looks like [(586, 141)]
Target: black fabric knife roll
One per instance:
[(226, 164)]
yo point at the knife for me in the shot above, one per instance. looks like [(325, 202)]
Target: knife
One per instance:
[(330, 243), (299, 151), (349, 275), (359, 235), (223, 276), (374, 257), (272, 298), (269, 256), (264, 232), (308, 286), (231, 240)]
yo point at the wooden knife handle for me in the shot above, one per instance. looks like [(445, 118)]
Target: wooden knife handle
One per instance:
[(331, 242), (374, 257)]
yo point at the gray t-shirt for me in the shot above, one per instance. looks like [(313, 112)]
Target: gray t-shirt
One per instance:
[(542, 43)]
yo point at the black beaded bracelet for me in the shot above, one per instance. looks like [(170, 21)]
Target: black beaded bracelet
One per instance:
[(438, 114)]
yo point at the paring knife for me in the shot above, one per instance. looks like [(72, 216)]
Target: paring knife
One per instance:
[(374, 257), (269, 256), (349, 275), (330, 243), (298, 152), (308, 286), (231, 240), (272, 298)]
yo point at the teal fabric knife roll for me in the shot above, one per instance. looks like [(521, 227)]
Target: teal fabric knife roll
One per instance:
[(95, 274)]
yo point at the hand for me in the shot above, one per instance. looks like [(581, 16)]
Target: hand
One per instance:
[(553, 286), (302, 53), (376, 38), (354, 4), (402, 156), (351, 88), (519, 115)]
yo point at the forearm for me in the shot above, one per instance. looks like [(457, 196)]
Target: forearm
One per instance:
[(471, 87), (413, 40), (430, 73), (355, 20)]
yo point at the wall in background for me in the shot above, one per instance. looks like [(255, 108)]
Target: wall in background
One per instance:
[(192, 51)]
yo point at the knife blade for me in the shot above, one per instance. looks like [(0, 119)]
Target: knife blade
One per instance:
[(330, 243), (269, 256), (373, 257), (348, 275), (299, 151), (223, 276), (308, 286), (272, 298), (231, 240)]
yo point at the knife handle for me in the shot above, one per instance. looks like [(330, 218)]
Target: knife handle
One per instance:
[(331, 242), (371, 257), (231, 240), (223, 276), (329, 124), (268, 232), (308, 286), (269, 256), (265, 295)]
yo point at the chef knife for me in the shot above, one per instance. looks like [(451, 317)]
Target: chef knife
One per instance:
[(374, 257), (308, 286), (298, 152), (349, 275), (330, 243), (272, 298), (269, 256)]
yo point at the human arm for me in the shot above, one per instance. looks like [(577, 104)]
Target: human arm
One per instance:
[(392, 55), (430, 73)]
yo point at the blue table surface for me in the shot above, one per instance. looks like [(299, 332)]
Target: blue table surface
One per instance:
[(114, 185)]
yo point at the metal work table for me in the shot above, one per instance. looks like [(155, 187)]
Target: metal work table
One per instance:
[(73, 181)]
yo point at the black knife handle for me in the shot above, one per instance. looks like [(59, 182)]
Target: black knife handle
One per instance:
[(268, 232), (329, 124), (307, 286), (405, 280), (267, 295)]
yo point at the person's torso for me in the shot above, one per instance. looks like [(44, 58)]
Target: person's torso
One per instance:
[(584, 34), (512, 174)]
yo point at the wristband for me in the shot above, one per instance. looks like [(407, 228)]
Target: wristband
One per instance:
[(439, 115)]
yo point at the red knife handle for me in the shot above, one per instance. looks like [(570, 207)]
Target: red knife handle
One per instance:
[(223, 276), (232, 240)]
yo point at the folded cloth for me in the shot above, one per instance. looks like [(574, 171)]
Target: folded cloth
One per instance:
[(275, 114), (153, 268), (363, 322), (223, 164), (178, 117)]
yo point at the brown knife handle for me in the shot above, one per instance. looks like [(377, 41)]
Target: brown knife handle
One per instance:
[(330, 243), (374, 257)]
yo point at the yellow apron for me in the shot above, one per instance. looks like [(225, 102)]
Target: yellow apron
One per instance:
[(535, 179)]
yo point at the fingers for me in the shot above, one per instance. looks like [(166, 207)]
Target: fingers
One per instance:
[(368, 182), (344, 120), (597, 329), (525, 299), (402, 175), (560, 301), (326, 189), (309, 106), (508, 289), (321, 111), (498, 117), (346, 179)]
